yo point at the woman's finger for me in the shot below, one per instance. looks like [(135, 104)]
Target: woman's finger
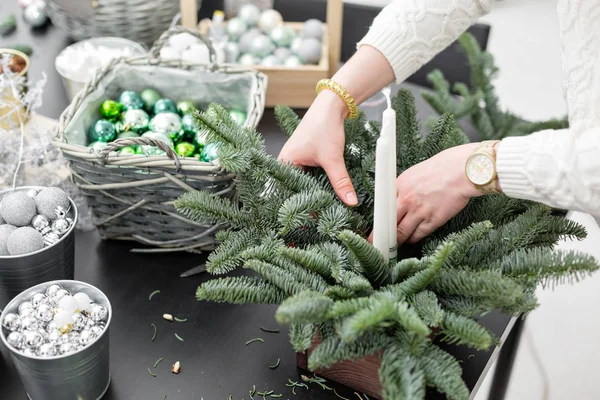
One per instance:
[(407, 227), (423, 230)]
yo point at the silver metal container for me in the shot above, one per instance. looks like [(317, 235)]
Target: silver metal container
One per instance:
[(57, 261), (83, 375)]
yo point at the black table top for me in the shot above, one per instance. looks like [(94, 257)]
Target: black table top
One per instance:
[(215, 362)]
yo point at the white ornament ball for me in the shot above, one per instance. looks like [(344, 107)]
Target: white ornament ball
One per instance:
[(83, 301), (59, 294), (11, 322), (182, 41), (232, 52), (310, 51), (49, 199), (293, 62), (282, 36), (270, 61), (68, 304), (170, 53), (282, 53), (5, 231), (296, 44), (313, 28), (249, 13), (18, 209), (236, 28), (47, 350), (35, 14), (269, 19), (246, 40), (196, 53), (247, 60), (261, 46), (24, 241), (167, 123), (62, 318), (15, 339)]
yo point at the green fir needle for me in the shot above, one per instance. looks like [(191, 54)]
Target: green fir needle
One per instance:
[(158, 362), (253, 390), (180, 319), (179, 337), (277, 396), (150, 372), (153, 293), (269, 330), (338, 395), (155, 331), (255, 340), (276, 364)]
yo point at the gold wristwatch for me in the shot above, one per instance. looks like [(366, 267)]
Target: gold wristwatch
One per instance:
[(481, 168)]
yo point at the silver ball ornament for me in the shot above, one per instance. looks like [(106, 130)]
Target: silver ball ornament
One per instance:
[(249, 13), (96, 330), (5, 231), (98, 312), (15, 339), (168, 123), (11, 322), (81, 322), (35, 14), (86, 337), (39, 222), (282, 36), (24, 240), (270, 61), (38, 298), (135, 120), (296, 44), (32, 339), (51, 326), (47, 350), (32, 193), (232, 52), (269, 19), (66, 348), (29, 352), (49, 199), (312, 28), (54, 336), (26, 305), (30, 323), (71, 337), (248, 60), (44, 313), (50, 238), (18, 209), (52, 289), (293, 62), (57, 295), (282, 53), (261, 46), (236, 28), (310, 51), (60, 225), (246, 40)]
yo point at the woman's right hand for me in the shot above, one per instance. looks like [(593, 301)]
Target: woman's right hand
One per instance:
[(319, 142)]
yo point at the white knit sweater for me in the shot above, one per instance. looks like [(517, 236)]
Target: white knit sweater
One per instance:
[(559, 168)]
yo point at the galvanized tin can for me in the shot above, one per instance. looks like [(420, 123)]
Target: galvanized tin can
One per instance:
[(57, 261), (83, 375)]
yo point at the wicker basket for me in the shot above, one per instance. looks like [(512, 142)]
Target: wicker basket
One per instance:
[(131, 196), (139, 20)]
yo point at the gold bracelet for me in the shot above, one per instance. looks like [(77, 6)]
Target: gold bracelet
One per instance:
[(340, 91)]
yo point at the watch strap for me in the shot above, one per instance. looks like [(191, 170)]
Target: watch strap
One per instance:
[(488, 147)]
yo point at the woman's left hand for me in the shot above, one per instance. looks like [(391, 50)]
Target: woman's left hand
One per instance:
[(430, 193)]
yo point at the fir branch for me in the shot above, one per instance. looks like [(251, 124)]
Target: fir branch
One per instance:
[(304, 307), (333, 220), (287, 119), (371, 259), (302, 275), (434, 141), (458, 329), (407, 267), (433, 265), (300, 209), (301, 336), (400, 375), (228, 256), (203, 206), (276, 276), (444, 373), (333, 350), (239, 290), (427, 307), (308, 259), (466, 306), (355, 282), (408, 130)]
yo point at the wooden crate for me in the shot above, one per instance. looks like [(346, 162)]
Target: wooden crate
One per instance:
[(294, 87)]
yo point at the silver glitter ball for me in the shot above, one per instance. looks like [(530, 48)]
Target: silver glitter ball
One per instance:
[(246, 40), (52, 289), (32, 339), (60, 226), (44, 313), (30, 323), (249, 13), (310, 51), (11, 322), (269, 19), (81, 322), (86, 337), (24, 306), (49, 199), (47, 350), (54, 337), (32, 193), (29, 352), (98, 312), (15, 339), (18, 209), (96, 330), (24, 240), (39, 222), (5, 231), (66, 348), (59, 294), (39, 298), (261, 46), (236, 28), (313, 28)]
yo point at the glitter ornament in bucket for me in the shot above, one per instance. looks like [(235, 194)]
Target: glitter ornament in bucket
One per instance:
[(54, 363), (32, 262)]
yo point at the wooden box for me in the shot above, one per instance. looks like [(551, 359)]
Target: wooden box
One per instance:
[(294, 87)]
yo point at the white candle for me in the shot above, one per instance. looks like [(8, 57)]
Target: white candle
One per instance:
[(388, 128), (380, 224)]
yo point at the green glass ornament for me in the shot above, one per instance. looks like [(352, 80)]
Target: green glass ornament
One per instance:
[(238, 116), (150, 97), (127, 135), (135, 120), (167, 122), (130, 150), (189, 123), (102, 131), (119, 128), (165, 105), (97, 146), (209, 153), (153, 150), (186, 107), (185, 149), (110, 109), (131, 100)]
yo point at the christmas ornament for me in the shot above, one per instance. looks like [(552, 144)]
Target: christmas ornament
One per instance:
[(66, 348), (238, 116), (310, 51), (296, 44), (59, 294), (247, 60), (196, 53), (246, 40), (131, 100), (150, 97), (27, 312), (83, 301), (153, 150), (261, 46), (232, 52), (52, 290), (209, 153), (189, 123), (312, 28), (35, 14), (249, 13), (282, 36), (18, 209), (293, 62), (40, 222), (11, 322), (32, 193), (15, 339), (86, 337), (5, 231), (50, 201), (32, 339), (24, 306), (165, 105), (102, 131), (37, 299), (186, 107), (128, 150), (24, 240), (50, 238), (127, 135), (30, 323), (200, 140), (60, 226), (44, 313), (269, 19), (236, 28), (185, 149), (97, 147), (80, 321), (62, 318), (47, 350), (110, 109), (98, 312), (135, 120), (270, 61), (53, 336), (282, 53), (168, 123), (68, 304)]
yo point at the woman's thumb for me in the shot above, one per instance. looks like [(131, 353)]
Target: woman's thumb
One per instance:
[(340, 180)]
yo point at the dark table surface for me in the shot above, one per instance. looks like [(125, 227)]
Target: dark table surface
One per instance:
[(215, 362)]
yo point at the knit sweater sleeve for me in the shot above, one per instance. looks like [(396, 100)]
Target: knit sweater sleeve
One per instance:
[(409, 33), (562, 168)]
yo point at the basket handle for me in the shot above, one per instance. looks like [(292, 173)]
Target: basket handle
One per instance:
[(162, 40), (119, 143)]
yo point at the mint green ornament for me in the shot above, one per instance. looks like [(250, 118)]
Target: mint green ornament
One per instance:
[(153, 150), (102, 131), (110, 109), (131, 100), (97, 147), (209, 153), (238, 116), (185, 149), (129, 150), (150, 97), (186, 107), (165, 105), (127, 135), (135, 120)]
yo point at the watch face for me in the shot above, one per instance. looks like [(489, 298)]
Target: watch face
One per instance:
[(480, 169)]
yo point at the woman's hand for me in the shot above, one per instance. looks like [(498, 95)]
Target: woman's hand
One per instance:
[(319, 142), (432, 192)]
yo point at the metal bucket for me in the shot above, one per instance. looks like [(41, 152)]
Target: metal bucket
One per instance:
[(57, 261), (83, 375)]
